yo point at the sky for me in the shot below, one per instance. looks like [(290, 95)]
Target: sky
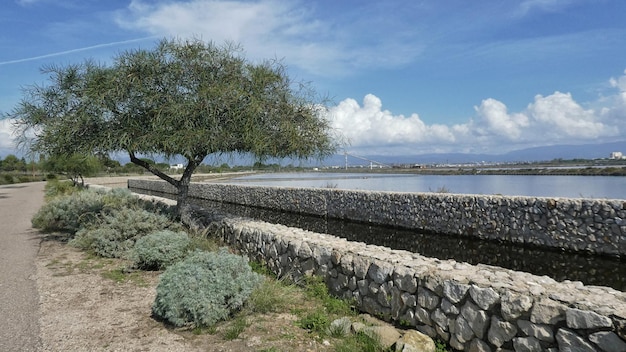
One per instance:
[(403, 77)]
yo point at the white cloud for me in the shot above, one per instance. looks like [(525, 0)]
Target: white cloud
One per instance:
[(560, 116), (371, 126), (7, 145), (499, 121), (269, 29), (553, 119), (544, 5)]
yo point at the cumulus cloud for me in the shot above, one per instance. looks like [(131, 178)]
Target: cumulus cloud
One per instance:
[(268, 29), (7, 145), (499, 122), (552, 119), (368, 125), (561, 116)]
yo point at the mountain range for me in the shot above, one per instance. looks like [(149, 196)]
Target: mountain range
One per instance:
[(545, 153)]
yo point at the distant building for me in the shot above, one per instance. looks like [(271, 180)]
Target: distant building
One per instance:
[(617, 155), (177, 167)]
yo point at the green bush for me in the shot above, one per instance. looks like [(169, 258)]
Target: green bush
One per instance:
[(55, 188), (160, 249), (204, 288), (116, 232), (8, 179), (69, 213)]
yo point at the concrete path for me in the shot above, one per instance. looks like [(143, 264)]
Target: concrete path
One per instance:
[(19, 243)]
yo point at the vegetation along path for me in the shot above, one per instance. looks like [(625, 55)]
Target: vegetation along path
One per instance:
[(19, 243)]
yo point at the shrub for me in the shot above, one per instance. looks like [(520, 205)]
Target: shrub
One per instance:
[(160, 249), (116, 232), (204, 288), (56, 188), (8, 179), (69, 213)]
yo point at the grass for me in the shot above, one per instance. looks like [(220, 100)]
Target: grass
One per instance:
[(120, 276), (236, 327)]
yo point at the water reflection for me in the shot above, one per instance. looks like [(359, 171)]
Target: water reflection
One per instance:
[(591, 270)]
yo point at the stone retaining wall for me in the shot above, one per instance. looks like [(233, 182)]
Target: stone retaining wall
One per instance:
[(471, 307), (593, 225)]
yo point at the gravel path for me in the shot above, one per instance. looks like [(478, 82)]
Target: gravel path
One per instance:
[(19, 244)]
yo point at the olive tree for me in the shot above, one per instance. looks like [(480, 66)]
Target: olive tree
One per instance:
[(185, 98)]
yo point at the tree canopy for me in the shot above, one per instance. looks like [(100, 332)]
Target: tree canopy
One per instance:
[(182, 98)]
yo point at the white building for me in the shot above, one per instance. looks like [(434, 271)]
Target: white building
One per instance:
[(617, 155), (177, 167)]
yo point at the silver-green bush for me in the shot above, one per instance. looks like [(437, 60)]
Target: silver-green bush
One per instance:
[(115, 233), (160, 249), (69, 213), (204, 288)]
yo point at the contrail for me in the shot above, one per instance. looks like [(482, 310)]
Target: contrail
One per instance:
[(60, 53)]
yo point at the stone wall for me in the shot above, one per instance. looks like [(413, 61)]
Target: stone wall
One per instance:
[(592, 225), (470, 307)]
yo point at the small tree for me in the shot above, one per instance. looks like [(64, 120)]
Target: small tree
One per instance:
[(183, 98), (75, 166)]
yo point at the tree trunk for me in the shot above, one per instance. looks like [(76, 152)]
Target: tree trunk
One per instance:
[(182, 196)]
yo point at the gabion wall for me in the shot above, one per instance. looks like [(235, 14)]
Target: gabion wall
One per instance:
[(470, 307), (592, 225)]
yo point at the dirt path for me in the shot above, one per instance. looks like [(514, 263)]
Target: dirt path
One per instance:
[(19, 243)]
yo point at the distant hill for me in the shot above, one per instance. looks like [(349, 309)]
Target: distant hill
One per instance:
[(547, 153)]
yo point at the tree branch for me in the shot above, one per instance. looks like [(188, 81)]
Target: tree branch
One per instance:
[(153, 169)]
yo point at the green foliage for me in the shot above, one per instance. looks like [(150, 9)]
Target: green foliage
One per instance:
[(13, 163), (315, 321), (441, 347), (204, 288), (272, 296), (181, 98), (160, 249), (359, 342), (55, 188), (70, 212), (75, 166), (8, 179), (235, 329), (315, 287), (115, 233)]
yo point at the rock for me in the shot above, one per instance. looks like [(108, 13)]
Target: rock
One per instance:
[(582, 319), (386, 335), (361, 266), (500, 331), (547, 311), (478, 345), (427, 299), (462, 330), (415, 341), (439, 317), (379, 271), (538, 331), (454, 291), (485, 298), (448, 307), (608, 341), (569, 341), (515, 305), (476, 318), (526, 344)]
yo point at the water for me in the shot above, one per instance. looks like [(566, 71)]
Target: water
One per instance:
[(611, 187)]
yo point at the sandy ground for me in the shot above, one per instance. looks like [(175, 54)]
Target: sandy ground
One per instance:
[(84, 306)]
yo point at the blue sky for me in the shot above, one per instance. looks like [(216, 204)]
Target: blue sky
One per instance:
[(405, 77)]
